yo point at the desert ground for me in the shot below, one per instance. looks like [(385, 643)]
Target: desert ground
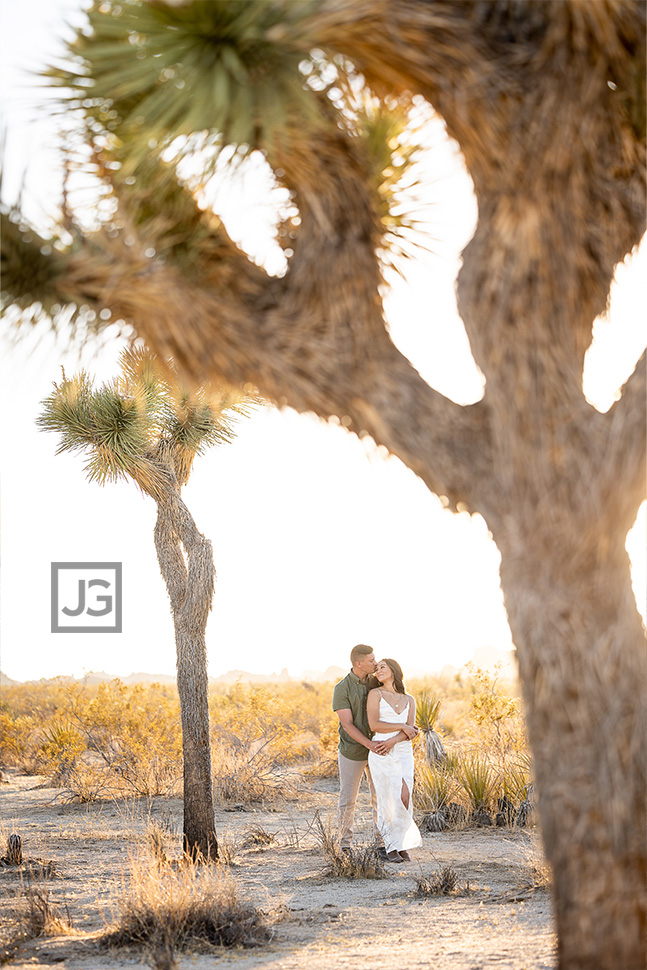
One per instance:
[(500, 917)]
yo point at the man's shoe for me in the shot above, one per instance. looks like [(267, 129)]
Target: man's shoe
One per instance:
[(381, 853)]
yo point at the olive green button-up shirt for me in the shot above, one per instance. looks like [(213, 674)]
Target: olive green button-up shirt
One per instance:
[(351, 693)]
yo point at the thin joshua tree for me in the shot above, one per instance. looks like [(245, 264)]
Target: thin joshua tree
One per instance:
[(146, 427)]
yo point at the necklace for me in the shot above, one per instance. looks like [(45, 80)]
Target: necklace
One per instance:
[(400, 700)]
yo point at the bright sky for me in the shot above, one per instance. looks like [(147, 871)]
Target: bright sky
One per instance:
[(319, 542)]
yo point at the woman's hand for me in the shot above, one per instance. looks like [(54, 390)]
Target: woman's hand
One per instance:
[(380, 747), (410, 730)]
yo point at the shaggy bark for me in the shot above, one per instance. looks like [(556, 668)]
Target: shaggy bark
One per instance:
[(434, 748), (190, 591), (582, 662)]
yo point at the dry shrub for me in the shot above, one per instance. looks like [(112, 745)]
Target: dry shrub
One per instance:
[(325, 835), (96, 742), (540, 873), (258, 733), (292, 723), (190, 907), (159, 841), (535, 877), (257, 836), (249, 777), (325, 765), (42, 917), (354, 862), (134, 732), (35, 915), (441, 883), (496, 723), (17, 741)]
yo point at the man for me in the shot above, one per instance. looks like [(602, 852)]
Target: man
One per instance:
[(349, 703)]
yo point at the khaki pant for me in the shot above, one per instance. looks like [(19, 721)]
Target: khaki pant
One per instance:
[(350, 777)]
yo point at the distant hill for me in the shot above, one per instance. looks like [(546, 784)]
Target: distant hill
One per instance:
[(7, 681), (484, 657), (234, 675), (231, 677), (100, 676), (311, 676), (330, 674)]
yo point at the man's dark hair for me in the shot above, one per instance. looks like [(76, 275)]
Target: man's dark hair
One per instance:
[(361, 650)]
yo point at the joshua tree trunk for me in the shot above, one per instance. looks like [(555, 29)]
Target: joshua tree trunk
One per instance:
[(583, 668), (434, 748), (191, 592)]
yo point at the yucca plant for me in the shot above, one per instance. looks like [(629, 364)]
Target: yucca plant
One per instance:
[(515, 781), (477, 780), (146, 426), (434, 789), (453, 761)]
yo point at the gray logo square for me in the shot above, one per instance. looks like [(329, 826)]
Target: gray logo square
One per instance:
[(86, 597)]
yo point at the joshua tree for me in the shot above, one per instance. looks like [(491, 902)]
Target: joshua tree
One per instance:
[(147, 428), (547, 102)]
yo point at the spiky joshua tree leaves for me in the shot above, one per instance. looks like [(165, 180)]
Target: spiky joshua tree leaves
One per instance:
[(144, 426), (547, 103)]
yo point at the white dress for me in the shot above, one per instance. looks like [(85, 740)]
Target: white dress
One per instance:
[(394, 821)]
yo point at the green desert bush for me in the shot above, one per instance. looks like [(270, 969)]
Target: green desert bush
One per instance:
[(478, 781), (434, 788), (428, 706)]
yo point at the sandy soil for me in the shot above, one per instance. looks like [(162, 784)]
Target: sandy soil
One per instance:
[(504, 922)]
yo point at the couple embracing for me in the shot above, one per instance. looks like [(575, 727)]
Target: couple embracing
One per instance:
[(376, 725)]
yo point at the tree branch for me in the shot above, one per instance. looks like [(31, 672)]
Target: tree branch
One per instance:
[(314, 340), (525, 145), (625, 455)]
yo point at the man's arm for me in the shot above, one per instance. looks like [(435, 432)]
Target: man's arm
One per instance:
[(345, 716)]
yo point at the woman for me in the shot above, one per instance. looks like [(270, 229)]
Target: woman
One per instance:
[(391, 710)]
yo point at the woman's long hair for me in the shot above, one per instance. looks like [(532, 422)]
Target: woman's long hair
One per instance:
[(398, 676)]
